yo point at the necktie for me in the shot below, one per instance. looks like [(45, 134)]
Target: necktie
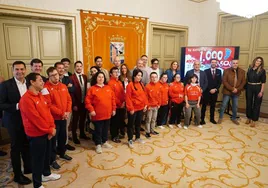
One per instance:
[(235, 78), (80, 78), (213, 74)]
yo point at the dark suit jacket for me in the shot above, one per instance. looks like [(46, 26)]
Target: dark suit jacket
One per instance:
[(9, 97), (213, 83), (203, 82), (77, 95), (67, 80)]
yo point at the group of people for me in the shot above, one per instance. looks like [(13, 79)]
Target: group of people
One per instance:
[(38, 110)]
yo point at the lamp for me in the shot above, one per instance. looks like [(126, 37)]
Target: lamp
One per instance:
[(244, 8)]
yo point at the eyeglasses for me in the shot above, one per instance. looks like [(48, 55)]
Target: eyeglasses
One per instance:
[(54, 75)]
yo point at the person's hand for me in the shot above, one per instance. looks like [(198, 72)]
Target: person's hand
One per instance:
[(75, 108), (198, 105), (158, 107), (260, 94), (49, 136), (235, 90), (212, 91), (67, 114), (131, 112), (123, 105), (114, 112), (145, 109), (187, 105), (93, 113), (54, 132), (70, 85)]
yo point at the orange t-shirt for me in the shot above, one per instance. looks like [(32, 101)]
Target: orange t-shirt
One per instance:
[(153, 94), (164, 88), (176, 92), (193, 92)]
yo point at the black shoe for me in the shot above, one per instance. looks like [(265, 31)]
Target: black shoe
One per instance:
[(147, 135), (142, 129), (69, 147), (66, 157), (76, 141), (213, 121), (202, 122), (55, 165), (2, 153), (22, 180), (84, 136), (116, 140), (154, 133)]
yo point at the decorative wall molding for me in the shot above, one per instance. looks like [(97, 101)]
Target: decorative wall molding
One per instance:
[(198, 1)]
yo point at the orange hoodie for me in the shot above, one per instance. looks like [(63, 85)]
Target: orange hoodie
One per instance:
[(176, 92), (164, 88), (59, 99), (153, 94), (36, 116), (193, 92), (119, 92), (102, 101), (136, 98)]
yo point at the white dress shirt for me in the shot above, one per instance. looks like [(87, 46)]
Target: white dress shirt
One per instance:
[(22, 89)]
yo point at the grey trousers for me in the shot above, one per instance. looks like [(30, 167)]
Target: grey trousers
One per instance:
[(188, 113), (151, 119)]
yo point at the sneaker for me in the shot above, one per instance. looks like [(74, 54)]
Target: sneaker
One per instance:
[(66, 157), (107, 145), (55, 165), (220, 121), (116, 140), (98, 149), (140, 141), (41, 186), (130, 144), (147, 135), (179, 126), (161, 127), (185, 127), (154, 133), (235, 122), (51, 177), (170, 126), (200, 126)]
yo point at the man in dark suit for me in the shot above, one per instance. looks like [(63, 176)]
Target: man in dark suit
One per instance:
[(79, 111), (66, 62), (10, 93), (210, 95), (36, 67), (202, 77), (2, 153)]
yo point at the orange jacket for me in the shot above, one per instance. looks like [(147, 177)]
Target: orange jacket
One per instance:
[(136, 98), (102, 101), (36, 116), (164, 88), (193, 92), (59, 99), (176, 92), (119, 92), (153, 94)]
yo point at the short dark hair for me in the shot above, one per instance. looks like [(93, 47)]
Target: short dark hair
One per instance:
[(112, 69), (18, 63), (235, 59), (153, 73), (163, 74), (36, 60), (65, 60), (173, 78), (31, 77), (95, 67), (213, 60), (96, 58), (144, 56), (50, 69), (77, 63), (153, 60), (190, 79), (58, 63), (94, 78)]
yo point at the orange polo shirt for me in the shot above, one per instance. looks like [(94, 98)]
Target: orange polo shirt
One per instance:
[(176, 92), (153, 94), (193, 92), (119, 92)]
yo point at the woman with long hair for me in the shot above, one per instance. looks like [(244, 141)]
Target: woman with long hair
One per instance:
[(256, 78), (136, 103), (100, 102), (173, 70), (125, 76)]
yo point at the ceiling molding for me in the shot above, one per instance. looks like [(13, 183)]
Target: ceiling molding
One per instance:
[(198, 1)]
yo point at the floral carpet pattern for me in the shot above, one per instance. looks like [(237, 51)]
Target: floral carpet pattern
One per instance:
[(224, 155)]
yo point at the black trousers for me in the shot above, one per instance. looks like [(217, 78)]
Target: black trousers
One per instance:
[(58, 142), (253, 102), (40, 151), (176, 110), (79, 118), (134, 120), (211, 99), (101, 131), (162, 115), (19, 148), (118, 123)]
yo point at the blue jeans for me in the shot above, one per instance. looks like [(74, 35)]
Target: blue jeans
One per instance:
[(224, 104)]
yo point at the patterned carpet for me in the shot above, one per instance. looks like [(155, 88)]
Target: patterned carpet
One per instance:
[(215, 156)]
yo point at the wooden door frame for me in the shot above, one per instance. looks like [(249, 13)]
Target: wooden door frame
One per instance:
[(71, 19), (168, 27)]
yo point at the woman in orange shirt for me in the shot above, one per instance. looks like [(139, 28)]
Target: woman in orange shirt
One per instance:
[(136, 103), (193, 95), (100, 102), (176, 94)]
